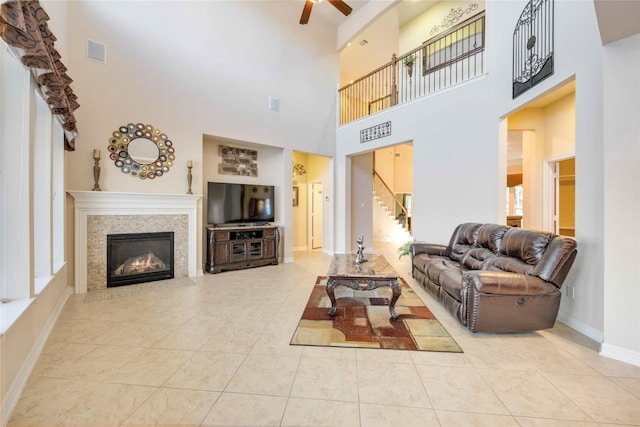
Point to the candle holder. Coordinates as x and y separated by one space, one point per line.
96 174
189 179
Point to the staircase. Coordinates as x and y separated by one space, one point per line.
388 227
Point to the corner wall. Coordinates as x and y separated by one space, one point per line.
621 61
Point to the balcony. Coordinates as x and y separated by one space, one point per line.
444 61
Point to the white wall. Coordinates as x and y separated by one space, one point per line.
361 199
622 199
445 157
459 166
201 68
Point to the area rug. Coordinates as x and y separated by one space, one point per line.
362 320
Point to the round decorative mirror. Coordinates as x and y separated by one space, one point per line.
141 151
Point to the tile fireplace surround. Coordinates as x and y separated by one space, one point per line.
99 213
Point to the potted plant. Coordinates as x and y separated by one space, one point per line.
405 249
408 62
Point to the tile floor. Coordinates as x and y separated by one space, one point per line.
217 353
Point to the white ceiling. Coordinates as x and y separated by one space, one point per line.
617 19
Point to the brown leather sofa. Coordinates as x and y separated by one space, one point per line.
495 278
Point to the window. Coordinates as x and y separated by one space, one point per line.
515 205
31 186
41 191
15 277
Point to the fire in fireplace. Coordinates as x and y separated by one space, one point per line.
139 257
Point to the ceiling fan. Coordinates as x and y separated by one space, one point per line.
338 4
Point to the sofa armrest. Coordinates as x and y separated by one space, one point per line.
506 283
429 248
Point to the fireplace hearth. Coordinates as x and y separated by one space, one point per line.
139 258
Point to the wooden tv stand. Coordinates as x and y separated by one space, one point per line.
234 248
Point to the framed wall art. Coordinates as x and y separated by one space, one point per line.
237 161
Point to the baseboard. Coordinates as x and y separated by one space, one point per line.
300 248
581 327
622 354
10 400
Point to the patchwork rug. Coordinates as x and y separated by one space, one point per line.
362 320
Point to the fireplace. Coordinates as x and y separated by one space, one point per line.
139 257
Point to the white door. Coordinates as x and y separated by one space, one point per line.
316 215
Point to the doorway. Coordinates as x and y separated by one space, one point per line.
562 192
542 187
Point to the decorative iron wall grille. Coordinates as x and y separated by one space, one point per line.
533 46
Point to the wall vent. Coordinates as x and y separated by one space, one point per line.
96 51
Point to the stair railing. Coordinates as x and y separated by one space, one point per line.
388 198
447 59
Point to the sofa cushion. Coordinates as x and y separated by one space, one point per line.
490 236
436 266
509 264
451 282
477 258
420 260
488 242
527 246
463 239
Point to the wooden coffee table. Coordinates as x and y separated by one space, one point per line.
376 272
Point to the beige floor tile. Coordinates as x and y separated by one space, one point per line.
206 371
171 406
276 338
472 394
632 385
231 340
85 331
334 353
379 415
246 410
392 383
98 365
185 338
546 422
439 358
601 398
261 374
46 398
465 419
156 365
151 367
140 335
529 394
326 379
385 355
319 413
66 402
105 404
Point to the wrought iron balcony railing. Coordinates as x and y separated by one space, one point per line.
450 58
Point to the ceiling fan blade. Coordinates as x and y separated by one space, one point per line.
306 11
341 6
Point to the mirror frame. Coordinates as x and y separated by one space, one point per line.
119 151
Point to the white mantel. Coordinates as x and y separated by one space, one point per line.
88 203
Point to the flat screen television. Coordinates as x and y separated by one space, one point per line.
229 203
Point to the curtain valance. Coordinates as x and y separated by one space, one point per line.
23 26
